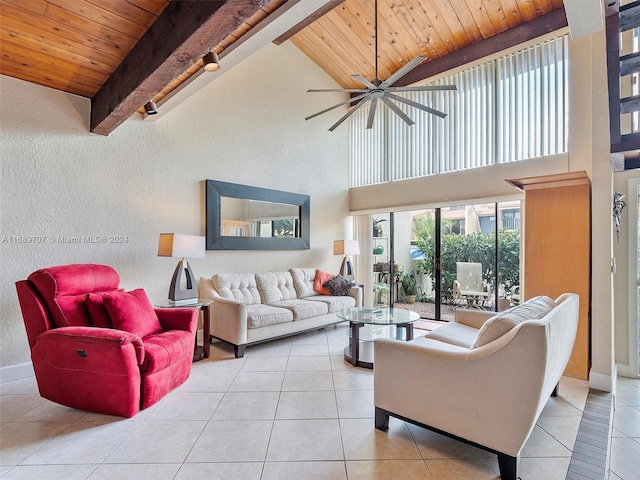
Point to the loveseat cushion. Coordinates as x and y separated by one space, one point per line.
239 287
259 315
335 304
303 279
165 348
275 286
498 325
454 334
303 308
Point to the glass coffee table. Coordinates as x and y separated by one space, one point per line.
380 322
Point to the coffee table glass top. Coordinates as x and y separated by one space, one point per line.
378 316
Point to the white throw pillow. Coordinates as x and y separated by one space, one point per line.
499 324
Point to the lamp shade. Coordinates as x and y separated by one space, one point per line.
346 247
181 246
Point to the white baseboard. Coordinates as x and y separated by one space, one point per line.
623 369
16 372
605 383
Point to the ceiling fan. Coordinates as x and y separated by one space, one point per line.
378 90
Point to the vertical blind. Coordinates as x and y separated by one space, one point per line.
508 109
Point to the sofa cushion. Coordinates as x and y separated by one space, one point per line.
165 348
303 279
454 334
303 308
259 315
319 281
498 325
239 287
132 312
275 286
335 304
338 285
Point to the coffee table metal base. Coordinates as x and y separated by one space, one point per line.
354 354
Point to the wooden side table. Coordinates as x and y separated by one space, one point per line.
199 351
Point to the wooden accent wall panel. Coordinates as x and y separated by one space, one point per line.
557 249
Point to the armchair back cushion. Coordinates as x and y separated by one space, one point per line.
275 287
64 289
239 287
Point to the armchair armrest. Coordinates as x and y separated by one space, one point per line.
85 337
472 318
178 318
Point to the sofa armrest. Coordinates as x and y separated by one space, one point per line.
83 339
178 318
229 320
356 292
472 318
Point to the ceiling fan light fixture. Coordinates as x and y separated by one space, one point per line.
383 91
150 108
211 62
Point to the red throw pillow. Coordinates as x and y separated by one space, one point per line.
132 312
97 310
319 280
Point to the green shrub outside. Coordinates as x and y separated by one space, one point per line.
474 247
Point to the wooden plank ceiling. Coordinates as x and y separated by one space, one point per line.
79 46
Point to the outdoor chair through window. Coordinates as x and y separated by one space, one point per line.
469 287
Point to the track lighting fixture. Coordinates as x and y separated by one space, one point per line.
211 62
150 108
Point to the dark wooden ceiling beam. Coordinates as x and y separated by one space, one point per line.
524 32
307 21
181 35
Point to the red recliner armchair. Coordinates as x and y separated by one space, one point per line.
98 348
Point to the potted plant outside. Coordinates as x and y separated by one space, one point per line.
409 287
377 228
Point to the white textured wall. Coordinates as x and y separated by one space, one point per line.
247 127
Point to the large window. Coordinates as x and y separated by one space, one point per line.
508 109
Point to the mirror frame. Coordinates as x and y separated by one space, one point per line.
215 241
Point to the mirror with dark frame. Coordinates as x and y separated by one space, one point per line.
242 217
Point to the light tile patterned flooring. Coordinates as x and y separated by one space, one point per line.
292 409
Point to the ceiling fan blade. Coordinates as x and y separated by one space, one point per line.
404 70
397 111
423 88
363 81
336 106
417 105
348 90
372 112
349 113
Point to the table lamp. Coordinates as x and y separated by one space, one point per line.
346 248
182 246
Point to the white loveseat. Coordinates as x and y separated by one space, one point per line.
483 379
250 308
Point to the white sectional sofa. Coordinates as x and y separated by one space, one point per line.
250 308
483 379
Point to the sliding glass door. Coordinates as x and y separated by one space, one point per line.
465 256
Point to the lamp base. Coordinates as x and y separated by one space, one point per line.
182 296
346 269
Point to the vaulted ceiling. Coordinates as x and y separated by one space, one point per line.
121 53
